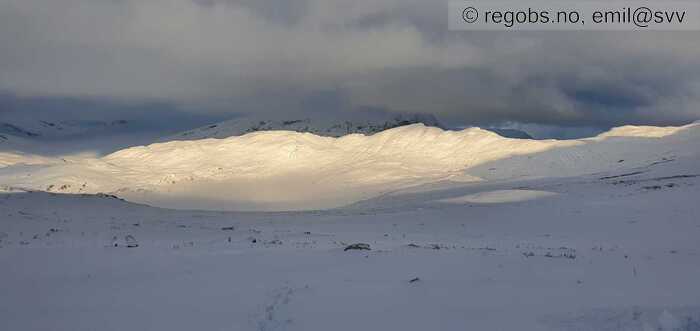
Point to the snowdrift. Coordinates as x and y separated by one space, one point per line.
283 170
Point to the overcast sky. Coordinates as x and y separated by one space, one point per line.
216 58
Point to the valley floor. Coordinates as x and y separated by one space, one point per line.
612 251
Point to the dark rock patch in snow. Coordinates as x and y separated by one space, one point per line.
358 247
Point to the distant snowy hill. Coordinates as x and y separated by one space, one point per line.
17 150
318 125
511 133
70 137
58 129
501 131
17 147
285 170
6 138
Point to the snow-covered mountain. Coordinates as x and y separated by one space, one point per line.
59 129
18 150
290 170
503 132
503 234
325 126
70 137
6 138
511 133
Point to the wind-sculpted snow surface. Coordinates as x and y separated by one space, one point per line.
282 170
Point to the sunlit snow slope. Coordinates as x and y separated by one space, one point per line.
282 170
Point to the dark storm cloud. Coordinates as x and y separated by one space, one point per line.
276 57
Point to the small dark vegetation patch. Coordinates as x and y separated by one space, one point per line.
358 247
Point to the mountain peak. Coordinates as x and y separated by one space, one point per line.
320 125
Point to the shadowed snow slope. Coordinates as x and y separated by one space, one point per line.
282 170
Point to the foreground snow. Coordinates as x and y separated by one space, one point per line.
597 252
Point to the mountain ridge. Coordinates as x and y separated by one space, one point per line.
285 170
320 125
